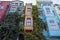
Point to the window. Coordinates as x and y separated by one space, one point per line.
54 28
28 21
51 21
20 4
19 10
13 7
53 25
48 10
41 14
16 3
41 4
1 6
29 9
47 4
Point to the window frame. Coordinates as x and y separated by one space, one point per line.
48 10
28 22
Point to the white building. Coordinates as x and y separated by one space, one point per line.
16 6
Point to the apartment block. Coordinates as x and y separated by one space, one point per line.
48 16
4 5
16 6
28 25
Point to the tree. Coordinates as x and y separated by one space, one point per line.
9 28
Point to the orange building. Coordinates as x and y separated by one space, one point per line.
28 25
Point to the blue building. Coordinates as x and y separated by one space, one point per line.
48 16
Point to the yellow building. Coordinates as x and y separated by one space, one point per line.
57 8
28 25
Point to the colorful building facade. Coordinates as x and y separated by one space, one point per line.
16 6
57 8
4 5
48 16
28 25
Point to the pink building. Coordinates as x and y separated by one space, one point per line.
4 5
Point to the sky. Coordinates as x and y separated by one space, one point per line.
34 1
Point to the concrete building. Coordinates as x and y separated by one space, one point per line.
16 6
28 25
48 16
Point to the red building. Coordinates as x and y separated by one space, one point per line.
4 5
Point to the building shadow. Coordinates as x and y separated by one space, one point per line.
21 37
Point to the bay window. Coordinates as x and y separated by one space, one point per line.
29 9
28 23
